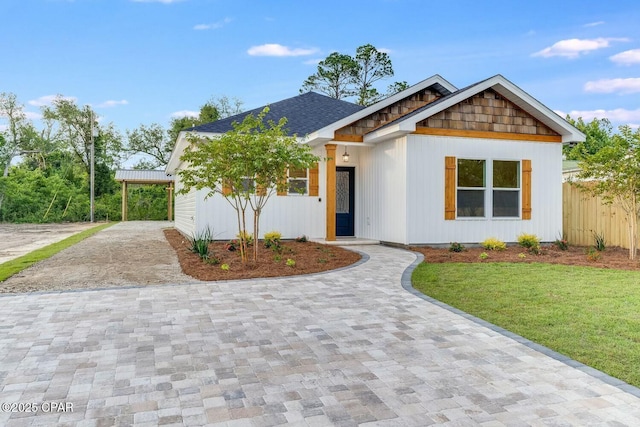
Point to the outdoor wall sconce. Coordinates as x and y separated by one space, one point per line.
345 156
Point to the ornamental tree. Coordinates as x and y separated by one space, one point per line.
247 166
613 173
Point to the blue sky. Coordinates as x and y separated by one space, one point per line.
144 61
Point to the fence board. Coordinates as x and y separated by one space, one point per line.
583 214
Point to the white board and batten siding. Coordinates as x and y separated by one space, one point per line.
292 215
425 189
185 209
381 198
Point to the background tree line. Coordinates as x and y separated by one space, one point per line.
45 172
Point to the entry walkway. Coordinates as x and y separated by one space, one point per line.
349 347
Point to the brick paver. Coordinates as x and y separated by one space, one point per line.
345 348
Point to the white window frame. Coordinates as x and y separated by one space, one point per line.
484 189
489 189
518 189
291 179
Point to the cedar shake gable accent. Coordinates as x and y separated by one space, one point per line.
494 108
355 131
487 111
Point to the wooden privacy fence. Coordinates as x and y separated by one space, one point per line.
584 214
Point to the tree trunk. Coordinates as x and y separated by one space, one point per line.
633 228
243 237
256 224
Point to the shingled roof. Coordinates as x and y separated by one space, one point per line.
305 114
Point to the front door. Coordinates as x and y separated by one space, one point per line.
345 179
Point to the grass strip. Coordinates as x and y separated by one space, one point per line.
16 265
589 314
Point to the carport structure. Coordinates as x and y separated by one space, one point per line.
149 177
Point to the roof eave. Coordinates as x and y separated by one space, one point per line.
178 150
390 132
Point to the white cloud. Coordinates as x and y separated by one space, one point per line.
214 26
3 128
185 113
48 99
111 103
315 61
32 116
619 115
627 57
272 49
594 24
623 86
385 50
572 48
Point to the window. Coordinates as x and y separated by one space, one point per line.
475 188
248 185
506 188
471 188
297 181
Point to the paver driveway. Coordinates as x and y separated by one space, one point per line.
342 348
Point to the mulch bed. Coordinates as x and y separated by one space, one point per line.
613 257
309 257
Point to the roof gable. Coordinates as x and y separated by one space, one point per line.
305 113
545 120
487 111
436 83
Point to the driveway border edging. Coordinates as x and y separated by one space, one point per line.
604 377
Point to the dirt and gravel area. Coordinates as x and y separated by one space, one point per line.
19 239
126 254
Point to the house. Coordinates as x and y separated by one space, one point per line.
432 164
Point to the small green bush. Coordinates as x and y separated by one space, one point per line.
593 254
528 240
494 244
600 242
291 263
272 239
246 236
483 255
302 239
456 247
562 244
200 243
224 267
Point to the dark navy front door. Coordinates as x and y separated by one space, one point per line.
345 178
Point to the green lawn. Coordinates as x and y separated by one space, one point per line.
15 266
591 315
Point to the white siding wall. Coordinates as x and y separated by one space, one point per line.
291 215
185 209
381 204
425 219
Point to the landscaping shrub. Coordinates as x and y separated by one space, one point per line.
456 247
600 242
593 254
494 244
246 236
302 239
200 243
272 240
528 240
483 255
562 244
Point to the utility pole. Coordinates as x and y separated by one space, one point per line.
93 172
